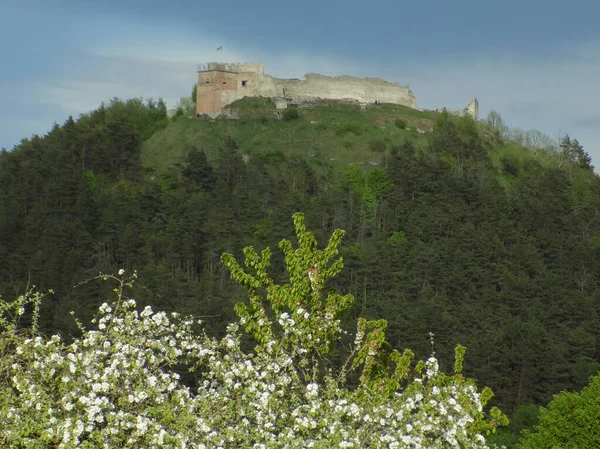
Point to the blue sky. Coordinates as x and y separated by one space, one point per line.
535 62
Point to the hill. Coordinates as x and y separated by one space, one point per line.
456 231
327 132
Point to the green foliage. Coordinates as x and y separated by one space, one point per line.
198 170
479 240
252 104
496 123
317 130
573 152
398 238
290 114
400 123
116 385
571 420
91 180
301 302
352 128
194 96
595 242
308 270
449 162
379 145
510 165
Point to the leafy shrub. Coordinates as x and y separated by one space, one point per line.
400 123
194 96
115 385
378 145
510 165
595 242
353 128
398 238
271 157
290 114
571 420
449 162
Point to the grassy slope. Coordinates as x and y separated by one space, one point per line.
326 134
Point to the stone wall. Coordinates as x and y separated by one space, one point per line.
214 90
472 110
360 90
222 84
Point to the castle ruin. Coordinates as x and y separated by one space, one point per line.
220 84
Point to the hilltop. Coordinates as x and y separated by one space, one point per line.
327 132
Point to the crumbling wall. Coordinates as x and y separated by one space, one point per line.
220 84
361 90
252 67
472 110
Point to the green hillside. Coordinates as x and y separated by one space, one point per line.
328 135
327 132
457 231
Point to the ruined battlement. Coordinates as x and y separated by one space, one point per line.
231 67
220 84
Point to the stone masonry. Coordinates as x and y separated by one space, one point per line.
220 84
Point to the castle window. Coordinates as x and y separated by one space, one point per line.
207 82
224 82
244 82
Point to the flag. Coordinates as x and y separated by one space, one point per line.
220 48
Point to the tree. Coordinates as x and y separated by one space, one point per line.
495 121
198 170
117 384
571 420
572 151
537 139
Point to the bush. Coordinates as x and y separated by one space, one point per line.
115 386
398 238
379 145
290 114
400 123
572 420
194 90
510 165
353 128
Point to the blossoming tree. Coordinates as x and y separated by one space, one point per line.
116 386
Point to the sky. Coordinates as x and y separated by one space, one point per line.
535 62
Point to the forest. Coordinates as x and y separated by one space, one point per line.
457 233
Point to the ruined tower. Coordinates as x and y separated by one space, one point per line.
220 84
